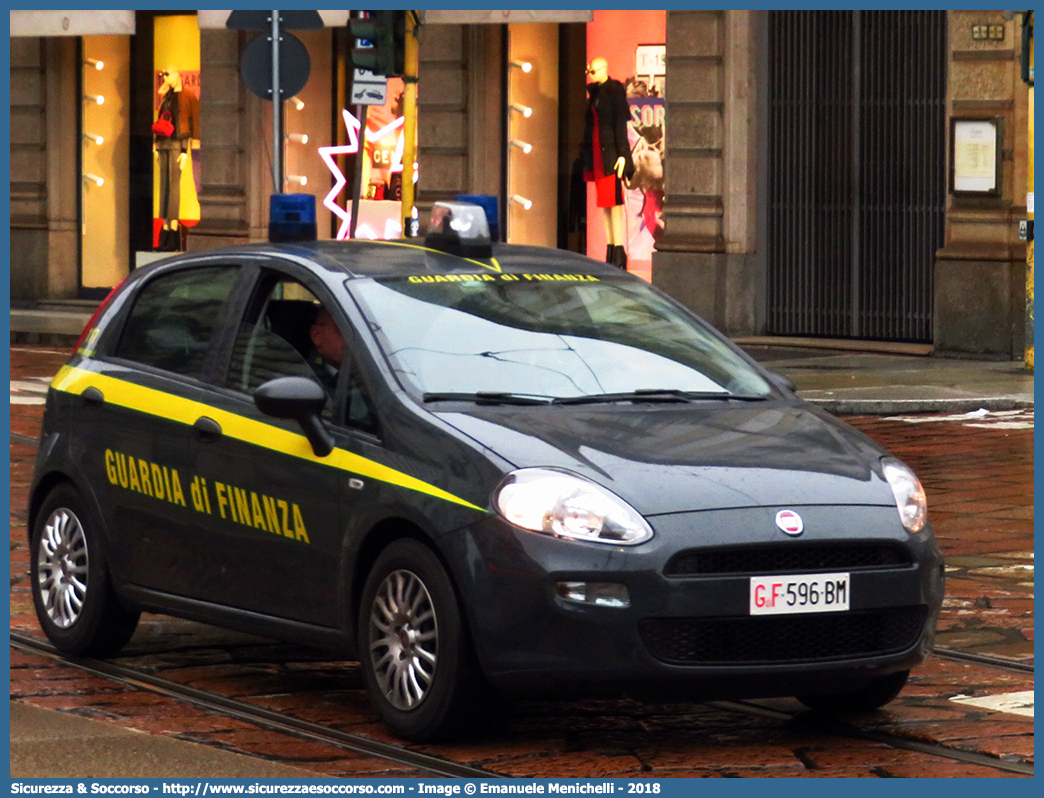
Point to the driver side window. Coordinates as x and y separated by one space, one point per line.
287 331
273 341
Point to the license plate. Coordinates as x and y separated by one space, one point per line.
798 593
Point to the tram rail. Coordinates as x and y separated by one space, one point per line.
258 716
437 766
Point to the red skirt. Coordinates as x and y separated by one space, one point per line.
608 189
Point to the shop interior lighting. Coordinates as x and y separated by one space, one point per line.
300 179
525 110
94 98
94 62
300 138
98 181
298 104
522 145
525 66
525 203
92 137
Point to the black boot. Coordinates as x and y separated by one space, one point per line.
610 251
620 257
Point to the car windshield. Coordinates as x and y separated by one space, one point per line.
510 336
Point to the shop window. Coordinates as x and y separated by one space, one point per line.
630 45
176 129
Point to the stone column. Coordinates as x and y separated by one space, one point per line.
980 273
234 191
704 258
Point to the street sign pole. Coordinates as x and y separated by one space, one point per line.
277 112
361 112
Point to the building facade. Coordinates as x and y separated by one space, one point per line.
841 175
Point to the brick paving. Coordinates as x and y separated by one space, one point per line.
979 484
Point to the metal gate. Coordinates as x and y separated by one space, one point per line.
856 172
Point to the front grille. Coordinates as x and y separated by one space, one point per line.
787 558
785 638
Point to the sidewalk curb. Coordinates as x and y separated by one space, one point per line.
894 407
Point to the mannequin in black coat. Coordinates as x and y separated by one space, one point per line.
606 154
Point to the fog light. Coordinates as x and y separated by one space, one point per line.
600 594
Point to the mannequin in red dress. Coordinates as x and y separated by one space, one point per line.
606 154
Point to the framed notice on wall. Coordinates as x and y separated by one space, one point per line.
975 153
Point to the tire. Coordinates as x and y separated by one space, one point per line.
72 592
414 651
873 695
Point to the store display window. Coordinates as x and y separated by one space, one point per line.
175 130
383 145
623 145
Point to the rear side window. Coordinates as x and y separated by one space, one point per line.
174 319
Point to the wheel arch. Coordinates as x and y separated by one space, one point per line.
377 539
47 483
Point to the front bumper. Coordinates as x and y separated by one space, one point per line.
692 629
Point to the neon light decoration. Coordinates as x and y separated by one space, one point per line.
392 227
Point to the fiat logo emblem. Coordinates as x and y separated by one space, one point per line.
790 522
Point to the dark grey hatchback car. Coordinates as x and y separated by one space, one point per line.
516 469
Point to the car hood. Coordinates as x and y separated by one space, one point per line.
671 458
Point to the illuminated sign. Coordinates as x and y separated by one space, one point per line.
377 219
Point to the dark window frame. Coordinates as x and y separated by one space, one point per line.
109 347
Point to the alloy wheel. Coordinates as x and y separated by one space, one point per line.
62 568
404 636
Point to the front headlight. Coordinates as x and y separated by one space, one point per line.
567 505
909 495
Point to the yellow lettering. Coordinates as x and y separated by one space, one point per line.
121 468
206 496
242 506
219 488
196 491
166 481
176 494
271 513
132 468
255 506
284 508
157 482
146 484
413 279
299 527
110 467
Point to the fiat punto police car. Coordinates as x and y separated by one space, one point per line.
515 470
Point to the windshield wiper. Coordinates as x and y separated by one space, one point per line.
486 398
652 395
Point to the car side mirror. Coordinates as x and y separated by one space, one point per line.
782 381
301 399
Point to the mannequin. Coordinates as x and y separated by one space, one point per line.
172 151
606 154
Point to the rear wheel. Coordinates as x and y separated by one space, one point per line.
415 656
74 599
874 694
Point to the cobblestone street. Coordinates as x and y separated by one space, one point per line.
978 478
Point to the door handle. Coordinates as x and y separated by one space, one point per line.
92 397
207 429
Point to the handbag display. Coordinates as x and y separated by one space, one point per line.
164 126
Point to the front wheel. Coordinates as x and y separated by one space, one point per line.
74 599
873 695
416 659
